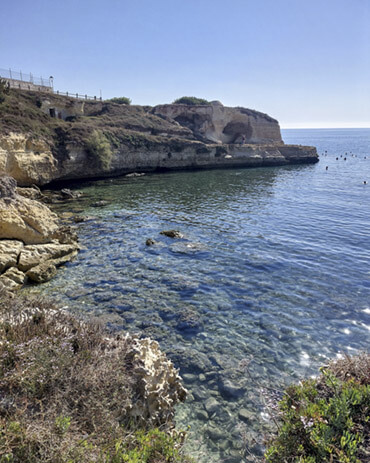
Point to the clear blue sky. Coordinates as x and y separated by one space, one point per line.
304 62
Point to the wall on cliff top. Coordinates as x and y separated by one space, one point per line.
220 124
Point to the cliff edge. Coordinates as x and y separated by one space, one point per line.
46 138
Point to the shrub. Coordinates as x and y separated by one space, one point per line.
120 100
4 90
65 389
326 419
100 148
191 101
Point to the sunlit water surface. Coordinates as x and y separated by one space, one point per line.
270 280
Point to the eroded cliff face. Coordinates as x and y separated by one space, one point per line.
27 160
220 124
103 139
33 163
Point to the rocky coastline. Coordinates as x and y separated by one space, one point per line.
33 242
103 139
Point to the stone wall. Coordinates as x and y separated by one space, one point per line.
22 85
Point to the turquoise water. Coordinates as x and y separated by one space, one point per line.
271 279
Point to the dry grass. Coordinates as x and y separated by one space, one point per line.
65 389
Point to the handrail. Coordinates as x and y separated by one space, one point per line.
20 76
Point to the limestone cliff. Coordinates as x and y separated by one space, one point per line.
219 124
102 139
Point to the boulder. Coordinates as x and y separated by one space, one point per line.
42 272
12 279
9 252
33 255
31 239
22 218
158 383
172 233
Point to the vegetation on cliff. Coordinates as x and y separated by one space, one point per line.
67 390
191 101
120 100
327 418
4 90
27 113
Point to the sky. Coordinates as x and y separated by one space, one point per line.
304 62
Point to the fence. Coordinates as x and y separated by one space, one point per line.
9 74
78 96
23 81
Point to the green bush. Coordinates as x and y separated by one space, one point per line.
326 419
99 147
191 101
120 100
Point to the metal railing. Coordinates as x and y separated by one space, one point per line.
78 96
9 74
22 81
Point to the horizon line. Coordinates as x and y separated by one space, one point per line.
324 127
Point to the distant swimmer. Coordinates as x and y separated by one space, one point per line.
327 167
365 182
336 159
345 159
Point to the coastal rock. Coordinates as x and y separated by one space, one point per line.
28 160
158 383
217 123
22 218
31 193
166 137
189 321
211 405
172 233
9 252
12 279
42 272
246 415
230 390
31 239
33 255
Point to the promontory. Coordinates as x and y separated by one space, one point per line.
48 137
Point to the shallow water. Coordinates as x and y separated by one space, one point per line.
270 280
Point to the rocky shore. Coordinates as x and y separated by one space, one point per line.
106 139
33 243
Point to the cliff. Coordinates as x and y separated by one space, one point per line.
217 123
45 138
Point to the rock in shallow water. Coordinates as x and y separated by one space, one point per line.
172 233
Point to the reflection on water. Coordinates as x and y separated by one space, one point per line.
270 280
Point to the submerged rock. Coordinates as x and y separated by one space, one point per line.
135 174
172 233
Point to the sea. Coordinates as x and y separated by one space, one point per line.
270 280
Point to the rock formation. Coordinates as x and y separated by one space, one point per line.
32 242
219 124
112 139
